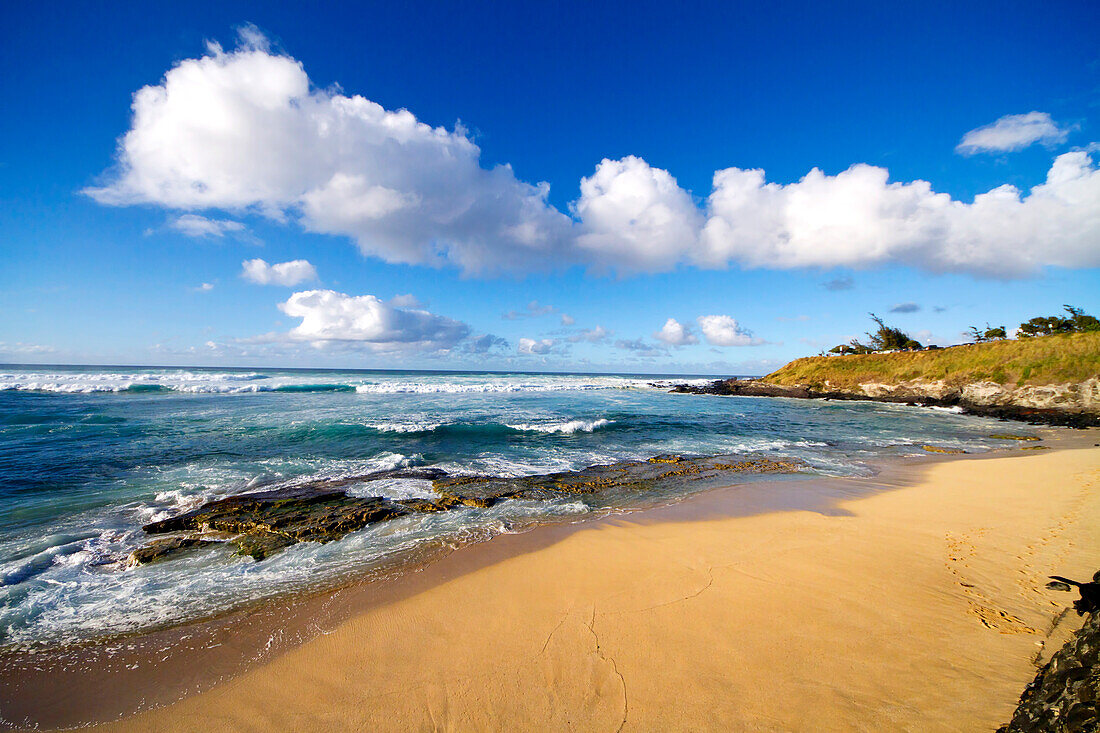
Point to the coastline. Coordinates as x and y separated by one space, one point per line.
924 395
477 606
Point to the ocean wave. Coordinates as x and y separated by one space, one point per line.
256 382
570 427
491 387
405 427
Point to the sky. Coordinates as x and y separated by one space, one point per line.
660 188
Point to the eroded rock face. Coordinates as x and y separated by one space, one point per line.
264 522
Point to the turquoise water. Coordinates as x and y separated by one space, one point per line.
88 455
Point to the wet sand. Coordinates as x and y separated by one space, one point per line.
920 608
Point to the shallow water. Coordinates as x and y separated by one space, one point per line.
88 455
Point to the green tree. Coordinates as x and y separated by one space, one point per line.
888 338
1077 322
1081 320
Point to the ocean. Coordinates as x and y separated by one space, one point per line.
90 454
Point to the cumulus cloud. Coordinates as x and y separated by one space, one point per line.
1012 132
905 308
675 333
726 331
858 218
281 273
197 226
204 288
330 318
245 131
635 218
535 346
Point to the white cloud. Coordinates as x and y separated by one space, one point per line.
194 225
567 320
24 349
726 331
205 288
675 333
1012 132
535 346
281 273
635 218
860 219
332 318
245 131
406 301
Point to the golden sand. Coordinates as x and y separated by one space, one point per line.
921 608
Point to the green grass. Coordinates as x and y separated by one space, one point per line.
1044 360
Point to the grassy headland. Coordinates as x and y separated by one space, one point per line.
1055 359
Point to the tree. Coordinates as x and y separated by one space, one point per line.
888 338
977 335
1078 322
1081 320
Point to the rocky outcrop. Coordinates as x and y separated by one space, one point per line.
1064 697
1072 405
264 522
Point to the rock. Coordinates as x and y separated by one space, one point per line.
939 449
1006 436
1068 405
264 522
164 549
1063 697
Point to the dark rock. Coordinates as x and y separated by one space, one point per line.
1065 694
163 549
265 522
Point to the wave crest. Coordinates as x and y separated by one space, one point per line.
570 427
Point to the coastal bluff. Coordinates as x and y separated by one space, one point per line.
1052 380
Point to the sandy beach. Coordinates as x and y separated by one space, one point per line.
922 607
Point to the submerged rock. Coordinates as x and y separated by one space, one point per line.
164 549
264 522
940 449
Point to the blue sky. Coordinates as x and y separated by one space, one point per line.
276 136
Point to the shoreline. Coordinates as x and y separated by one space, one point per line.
1038 416
95 697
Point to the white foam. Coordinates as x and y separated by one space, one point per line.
405 427
570 427
177 380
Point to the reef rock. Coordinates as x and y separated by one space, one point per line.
263 522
